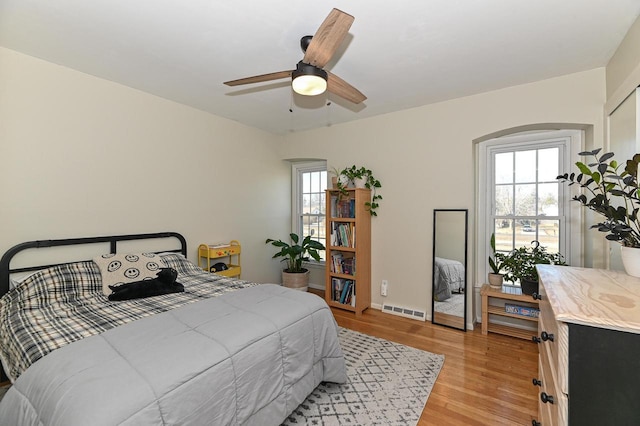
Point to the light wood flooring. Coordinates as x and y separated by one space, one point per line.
485 380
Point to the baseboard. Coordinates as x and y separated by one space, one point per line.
316 286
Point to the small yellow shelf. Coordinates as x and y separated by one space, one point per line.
208 253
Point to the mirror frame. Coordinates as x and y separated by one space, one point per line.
466 262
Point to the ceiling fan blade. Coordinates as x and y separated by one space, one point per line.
328 38
339 87
259 78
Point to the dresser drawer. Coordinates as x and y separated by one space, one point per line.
554 344
551 413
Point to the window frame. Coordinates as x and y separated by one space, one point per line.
570 216
297 170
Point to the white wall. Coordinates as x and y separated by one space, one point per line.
72 142
82 156
623 69
424 159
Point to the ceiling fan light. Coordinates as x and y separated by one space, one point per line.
309 80
309 85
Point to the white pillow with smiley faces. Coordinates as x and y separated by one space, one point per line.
117 269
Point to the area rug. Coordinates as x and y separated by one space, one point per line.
452 306
389 384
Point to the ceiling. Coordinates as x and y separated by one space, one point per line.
400 54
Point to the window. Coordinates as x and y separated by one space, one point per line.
308 203
524 201
525 197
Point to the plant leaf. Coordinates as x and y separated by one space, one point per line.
606 156
583 168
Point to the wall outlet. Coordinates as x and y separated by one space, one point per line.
384 287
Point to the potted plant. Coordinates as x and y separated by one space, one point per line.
361 177
295 276
496 263
340 180
520 265
611 190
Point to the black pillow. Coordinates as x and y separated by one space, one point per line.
164 283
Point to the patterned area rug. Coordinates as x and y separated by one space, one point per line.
388 384
452 306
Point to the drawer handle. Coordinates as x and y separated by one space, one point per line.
537 382
535 423
536 296
546 398
536 339
545 336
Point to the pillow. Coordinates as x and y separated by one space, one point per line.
117 269
17 279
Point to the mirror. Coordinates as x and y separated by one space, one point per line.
449 284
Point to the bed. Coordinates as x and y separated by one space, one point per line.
224 351
448 278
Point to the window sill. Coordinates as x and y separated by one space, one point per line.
314 265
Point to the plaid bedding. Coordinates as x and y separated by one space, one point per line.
65 303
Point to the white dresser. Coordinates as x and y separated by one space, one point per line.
589 337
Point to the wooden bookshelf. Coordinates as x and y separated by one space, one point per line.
507 294
348 244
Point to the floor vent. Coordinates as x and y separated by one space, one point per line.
404 312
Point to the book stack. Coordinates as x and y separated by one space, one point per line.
343 207
525 311
343 234
342 265
343 291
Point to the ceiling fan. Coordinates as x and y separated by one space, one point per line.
309 78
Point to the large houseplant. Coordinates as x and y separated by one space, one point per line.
610 188
520 265
361 177
295 253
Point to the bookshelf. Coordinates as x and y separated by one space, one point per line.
348 244
507 294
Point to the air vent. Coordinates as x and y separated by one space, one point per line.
404 312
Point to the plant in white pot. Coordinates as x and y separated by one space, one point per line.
611 190
340 180
295 276
496 263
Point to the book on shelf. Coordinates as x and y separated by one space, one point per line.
342 235
336 288
341 264
525 311
349 266
343 291
345 208
336 262
353 236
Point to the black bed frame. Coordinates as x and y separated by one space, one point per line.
5 261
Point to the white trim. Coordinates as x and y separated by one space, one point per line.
297 168
571 211
628 86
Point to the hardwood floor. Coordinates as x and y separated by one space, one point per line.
485 380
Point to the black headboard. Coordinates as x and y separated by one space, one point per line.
5 269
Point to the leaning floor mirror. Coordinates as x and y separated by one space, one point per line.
449 284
